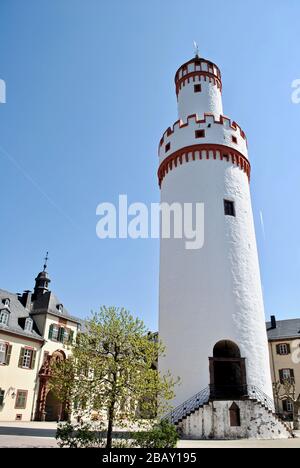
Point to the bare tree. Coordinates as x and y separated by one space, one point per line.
286 390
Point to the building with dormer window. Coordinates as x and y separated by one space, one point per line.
34 329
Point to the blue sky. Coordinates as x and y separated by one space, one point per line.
89 93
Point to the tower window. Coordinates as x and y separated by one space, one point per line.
234 139
200 134
229 208
235 415
197 88
168 147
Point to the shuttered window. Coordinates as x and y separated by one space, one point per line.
287 406
60 334
53 332
2 353
287 375
283 349
5 353
27 358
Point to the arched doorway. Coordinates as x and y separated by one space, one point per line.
53 408
227 371
49 408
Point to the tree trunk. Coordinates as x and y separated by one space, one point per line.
296 416
111 413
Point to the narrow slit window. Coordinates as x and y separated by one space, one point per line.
200 133
229 208
168 147
197 88
234 139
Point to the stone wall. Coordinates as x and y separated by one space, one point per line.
213 422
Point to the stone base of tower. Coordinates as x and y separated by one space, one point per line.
230 420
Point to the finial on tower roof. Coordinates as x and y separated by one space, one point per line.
46 261
196 49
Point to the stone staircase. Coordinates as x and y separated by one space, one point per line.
204 417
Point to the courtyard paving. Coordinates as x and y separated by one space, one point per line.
42 435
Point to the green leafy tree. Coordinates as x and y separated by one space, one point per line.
112 372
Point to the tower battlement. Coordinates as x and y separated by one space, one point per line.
198 88
198 69
197 131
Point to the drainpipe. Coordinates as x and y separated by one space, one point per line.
274 374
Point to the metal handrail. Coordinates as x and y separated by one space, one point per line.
192 404
255 393
186 408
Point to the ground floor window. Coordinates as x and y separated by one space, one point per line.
21 399
288 406
2 393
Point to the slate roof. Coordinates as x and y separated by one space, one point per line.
45 304
284 329
48 303
17 312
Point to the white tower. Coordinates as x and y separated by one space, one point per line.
211 316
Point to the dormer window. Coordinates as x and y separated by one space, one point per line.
6 303
28 324
4 317
60 308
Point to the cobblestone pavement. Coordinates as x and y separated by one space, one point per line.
42 435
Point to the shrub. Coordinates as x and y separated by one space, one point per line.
81 435
163 435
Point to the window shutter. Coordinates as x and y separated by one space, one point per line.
292 375
288 348
281 376
278 349
8 354
33 359
71 336
50 332
61 335
22 352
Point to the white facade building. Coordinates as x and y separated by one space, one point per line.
211 313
